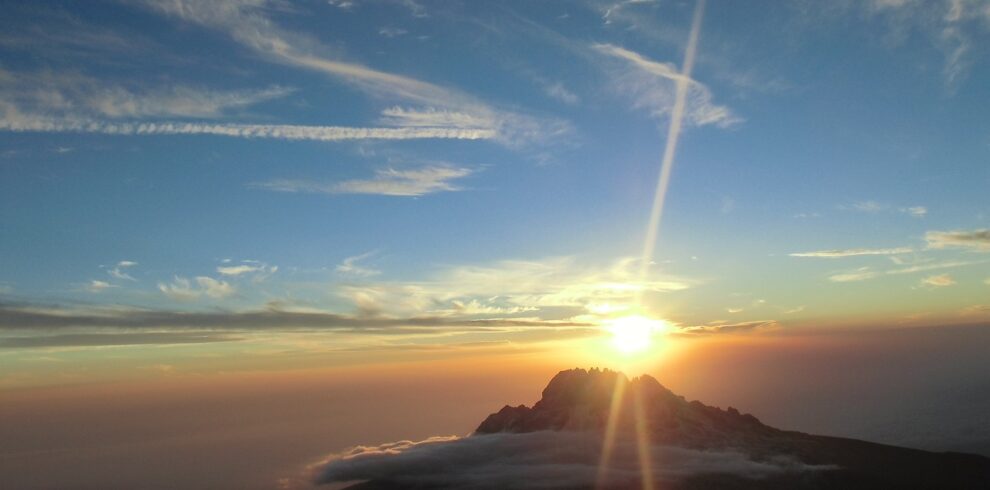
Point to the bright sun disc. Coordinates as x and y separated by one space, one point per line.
632 334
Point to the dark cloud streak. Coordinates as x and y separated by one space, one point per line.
23 317
111 339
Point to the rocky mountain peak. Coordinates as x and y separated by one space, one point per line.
579 399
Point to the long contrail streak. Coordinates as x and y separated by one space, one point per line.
673 134
270 131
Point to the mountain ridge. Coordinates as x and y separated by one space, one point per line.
694 447
579 399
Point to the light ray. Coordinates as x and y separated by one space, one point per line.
610 429
673 135
642 438
652 231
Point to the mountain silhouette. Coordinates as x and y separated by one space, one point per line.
580 402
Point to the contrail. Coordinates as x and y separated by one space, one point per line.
271 131
673 134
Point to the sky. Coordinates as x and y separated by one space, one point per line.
194 189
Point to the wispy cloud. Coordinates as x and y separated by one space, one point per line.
77 103
96 286
350 266
975 310
557 90
392 32
852 252
386 182
436 118
861 274
119 271
342 4
868 206
729 328
75 96
237 270
978 240
258 271
876 207
942 280
950 25
652 84
182 289
864 273
935 266
246 22
612 9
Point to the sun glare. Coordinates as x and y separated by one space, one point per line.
633 334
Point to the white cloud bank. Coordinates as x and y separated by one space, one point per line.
537 460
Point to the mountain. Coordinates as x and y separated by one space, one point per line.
558 444
580 400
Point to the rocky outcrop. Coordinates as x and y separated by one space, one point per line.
577 399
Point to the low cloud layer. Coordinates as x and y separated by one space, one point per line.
534 460
971 239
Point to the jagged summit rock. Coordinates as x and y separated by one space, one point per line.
579 399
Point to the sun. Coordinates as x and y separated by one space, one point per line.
633 334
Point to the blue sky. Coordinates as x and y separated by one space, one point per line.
453 160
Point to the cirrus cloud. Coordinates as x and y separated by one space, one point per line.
386 182
652 86
183 289
852 252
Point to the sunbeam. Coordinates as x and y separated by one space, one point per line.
652 231
610 429
673 135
